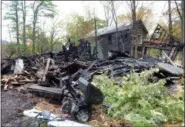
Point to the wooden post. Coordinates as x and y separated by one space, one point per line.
132 44
135 50
131 53
169 58
143 51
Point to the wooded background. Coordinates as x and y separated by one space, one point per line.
29 37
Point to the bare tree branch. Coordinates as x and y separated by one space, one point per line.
116 23
178 10
128 3
107 12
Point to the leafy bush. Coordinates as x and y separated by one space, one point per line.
137 99
154 52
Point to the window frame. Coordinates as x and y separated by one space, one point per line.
139 40
110 40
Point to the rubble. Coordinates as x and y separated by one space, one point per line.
66 76
51 119
171 69
69 82
19 66
9 81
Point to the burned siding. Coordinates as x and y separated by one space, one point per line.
108 43
139 31
126 37
104 46
125 41
101 52
114 45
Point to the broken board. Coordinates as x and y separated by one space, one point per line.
170 68
49 92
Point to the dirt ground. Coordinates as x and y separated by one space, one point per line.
12 106
14 103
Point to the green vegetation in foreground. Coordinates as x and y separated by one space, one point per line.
142 102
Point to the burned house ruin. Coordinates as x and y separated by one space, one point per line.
126 37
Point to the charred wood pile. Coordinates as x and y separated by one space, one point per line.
163 41
69 81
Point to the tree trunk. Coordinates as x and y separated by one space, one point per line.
96 43
183 30
106 19
17 28
134 45
106 12
10 33
170 18
116 23
182 20
35 14
178 10
33 33
51 42
24 26
106 15
133 12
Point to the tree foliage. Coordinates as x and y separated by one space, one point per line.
17 14
44 8
13 15
176 20
78 26
143 12
55 33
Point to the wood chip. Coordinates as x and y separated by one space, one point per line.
6 87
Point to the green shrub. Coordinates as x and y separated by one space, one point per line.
140 101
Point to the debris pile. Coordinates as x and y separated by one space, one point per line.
69 82
10 81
